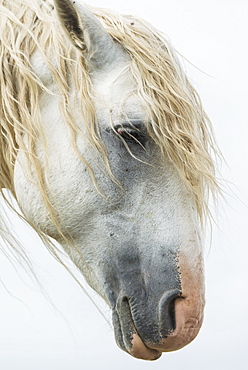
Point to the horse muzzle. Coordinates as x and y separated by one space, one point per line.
145 330
157 299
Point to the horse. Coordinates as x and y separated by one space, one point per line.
106 149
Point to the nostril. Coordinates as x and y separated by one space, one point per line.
171 311
167 318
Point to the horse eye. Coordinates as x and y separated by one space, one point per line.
130 134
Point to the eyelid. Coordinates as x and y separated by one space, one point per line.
127 129
132 125
131 132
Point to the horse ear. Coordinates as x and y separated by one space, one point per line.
86 33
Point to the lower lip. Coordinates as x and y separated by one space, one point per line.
141 351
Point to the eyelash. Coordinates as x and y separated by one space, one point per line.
130 134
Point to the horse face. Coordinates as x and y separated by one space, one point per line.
136 234
151 271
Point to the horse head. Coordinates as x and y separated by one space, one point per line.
128 212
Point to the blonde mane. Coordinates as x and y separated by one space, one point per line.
177 121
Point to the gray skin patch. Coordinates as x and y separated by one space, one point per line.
142 281
142 294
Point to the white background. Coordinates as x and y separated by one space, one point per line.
67 332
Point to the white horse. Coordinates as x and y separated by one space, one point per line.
106 148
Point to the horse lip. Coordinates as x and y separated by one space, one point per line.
127 325
128 339
149 345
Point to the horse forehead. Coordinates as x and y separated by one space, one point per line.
116 92
117 81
